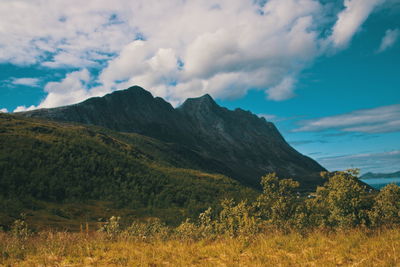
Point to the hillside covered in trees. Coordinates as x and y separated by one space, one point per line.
66 163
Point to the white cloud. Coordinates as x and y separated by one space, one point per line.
224 51
350 20
389 39
23 108
3 110
376 120
60 33
26 81
176 49
75 83
368 162
221 47
283 90
72 89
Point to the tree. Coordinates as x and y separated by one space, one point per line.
278 202
386 208
342 200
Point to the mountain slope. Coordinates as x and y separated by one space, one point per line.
62 162
238 143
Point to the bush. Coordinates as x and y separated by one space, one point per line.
151 229
278 203
188 231
236 220
112 227
341 202
19 229
386 208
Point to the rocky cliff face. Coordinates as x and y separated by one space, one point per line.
240 144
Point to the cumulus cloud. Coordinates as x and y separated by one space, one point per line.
33 82
350 19
76 85
59 33
376 120
283 90
367 162
389 39
71 89
3 110
221 47
223 51
24 108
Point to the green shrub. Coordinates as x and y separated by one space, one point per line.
236 220
112 227
342 201
278 203
188 231
151 229
19 229
386 208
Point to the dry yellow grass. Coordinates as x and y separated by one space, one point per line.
343 248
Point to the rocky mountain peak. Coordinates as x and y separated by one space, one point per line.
205 102
242 145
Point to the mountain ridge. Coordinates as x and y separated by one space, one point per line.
370 175
244 146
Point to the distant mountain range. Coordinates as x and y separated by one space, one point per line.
235 143
370 175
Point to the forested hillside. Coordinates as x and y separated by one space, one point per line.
66 163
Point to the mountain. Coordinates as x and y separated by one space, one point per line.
370 175
58 163
234 143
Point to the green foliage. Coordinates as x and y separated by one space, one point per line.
187 231
55 162
19 229
342 201
237 219
278 202
150 229
112 227
58 162
232 220
386 209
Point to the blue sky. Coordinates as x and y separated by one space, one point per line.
327 73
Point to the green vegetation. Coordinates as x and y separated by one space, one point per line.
67 176
340 226
42 161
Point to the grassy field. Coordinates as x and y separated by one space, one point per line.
342 248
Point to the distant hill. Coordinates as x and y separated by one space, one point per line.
234 143
69 163
370 175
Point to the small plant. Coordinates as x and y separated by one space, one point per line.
112 227
153 228
19 228
187 231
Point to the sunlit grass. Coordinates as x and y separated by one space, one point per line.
356 247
